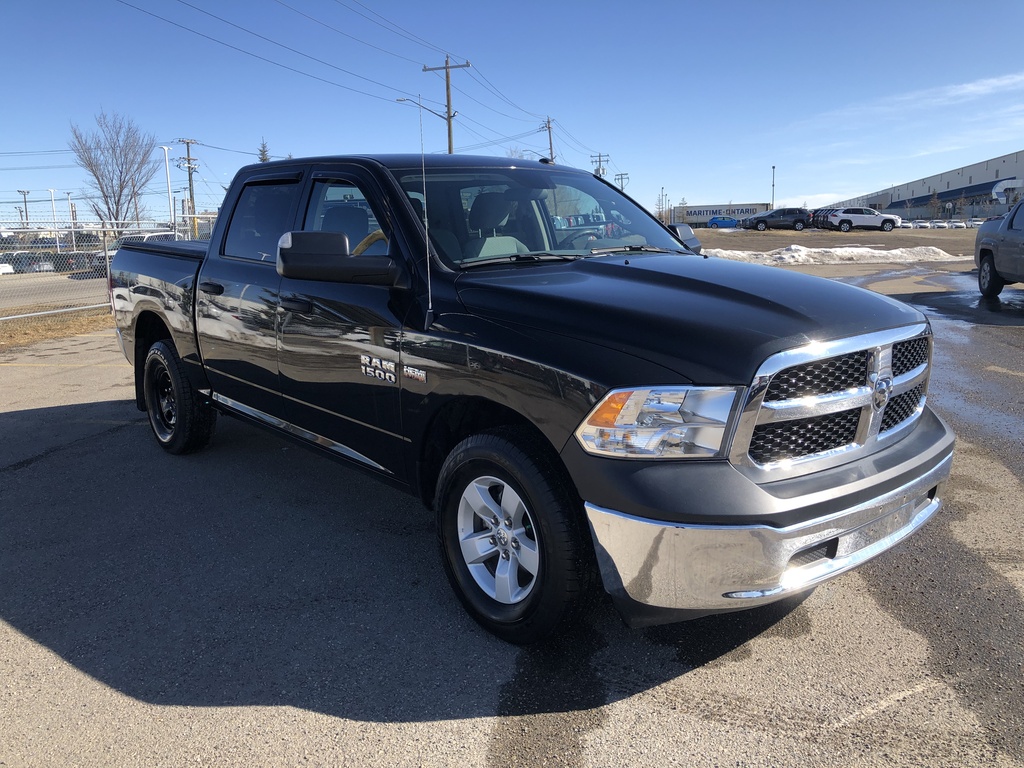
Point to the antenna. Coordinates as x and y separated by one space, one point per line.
429 319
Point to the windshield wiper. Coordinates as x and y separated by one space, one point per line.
636 249
519 258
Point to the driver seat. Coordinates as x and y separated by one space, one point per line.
491 211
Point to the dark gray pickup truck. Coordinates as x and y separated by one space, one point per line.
578 397
999 252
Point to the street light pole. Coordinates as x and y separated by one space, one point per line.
71 219
419 104
773 187
170 199
53 210
24 196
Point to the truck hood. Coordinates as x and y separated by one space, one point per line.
712 321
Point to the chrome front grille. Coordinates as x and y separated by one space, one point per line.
820 377
824 404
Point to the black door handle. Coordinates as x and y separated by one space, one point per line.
303 306
214 289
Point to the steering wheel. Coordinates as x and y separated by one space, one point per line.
570 242
374 237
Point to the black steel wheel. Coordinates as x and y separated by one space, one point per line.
181 422
510 536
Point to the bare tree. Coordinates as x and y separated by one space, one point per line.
119 158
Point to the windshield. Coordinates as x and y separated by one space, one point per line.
482 215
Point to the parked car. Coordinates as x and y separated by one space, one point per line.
6 269
906 224
723 221
20 260
939 224
975 223
921 224
845 219
780 218
42 265
999 252
957 224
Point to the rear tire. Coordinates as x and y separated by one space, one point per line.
510 536
181 422
990 283
799 226
714 226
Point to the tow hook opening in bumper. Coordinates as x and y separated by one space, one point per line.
825 559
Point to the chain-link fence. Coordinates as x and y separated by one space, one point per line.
58 268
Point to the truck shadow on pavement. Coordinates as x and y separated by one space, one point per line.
256 573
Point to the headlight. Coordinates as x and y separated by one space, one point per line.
660 423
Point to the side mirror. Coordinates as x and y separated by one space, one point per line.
325 257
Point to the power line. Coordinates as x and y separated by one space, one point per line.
390 26
346 34
256 56
488 85
292 50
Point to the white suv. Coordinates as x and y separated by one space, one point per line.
845 219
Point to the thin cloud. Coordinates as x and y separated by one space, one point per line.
907 105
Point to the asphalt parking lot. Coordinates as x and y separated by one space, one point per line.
255 604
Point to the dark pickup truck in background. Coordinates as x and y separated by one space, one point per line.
576 395
999 251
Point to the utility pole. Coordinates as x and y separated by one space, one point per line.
622 179
24 196
448 67
190 166
551 143
599 160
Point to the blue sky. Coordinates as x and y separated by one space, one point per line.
696 99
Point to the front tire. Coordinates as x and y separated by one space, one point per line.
510 536
761 226
845 226
887 226
990 283
181 422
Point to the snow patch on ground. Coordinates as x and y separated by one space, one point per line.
797 254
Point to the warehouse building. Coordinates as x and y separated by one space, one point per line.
983 189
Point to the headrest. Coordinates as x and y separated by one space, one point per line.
350 219
490 210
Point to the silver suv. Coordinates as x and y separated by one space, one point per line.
845 219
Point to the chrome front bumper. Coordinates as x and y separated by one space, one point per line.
657 571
